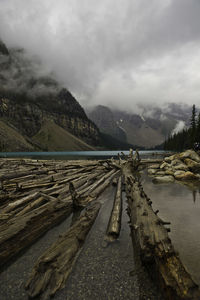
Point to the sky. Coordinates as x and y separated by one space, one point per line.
119 53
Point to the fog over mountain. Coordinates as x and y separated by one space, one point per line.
112 52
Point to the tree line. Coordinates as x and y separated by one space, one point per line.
187 138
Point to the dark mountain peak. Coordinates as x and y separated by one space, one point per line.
31 98
3 48
63 94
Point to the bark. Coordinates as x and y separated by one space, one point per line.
54 266
22 231
114 225
155 247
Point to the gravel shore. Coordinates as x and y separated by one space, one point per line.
102 271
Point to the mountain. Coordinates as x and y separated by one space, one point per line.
104 118
36 112
148 129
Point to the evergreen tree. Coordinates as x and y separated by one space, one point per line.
198 129
193 126
186 138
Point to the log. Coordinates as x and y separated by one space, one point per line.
84 197
20 174
30 216
21 231
155 247
21 202
114 224
91 188
53 268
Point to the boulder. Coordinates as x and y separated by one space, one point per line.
184 176
152 171
192 165
169 171
179 173
164 165
160 173
154 166
169 159
163 179
189 154
176 162
181 167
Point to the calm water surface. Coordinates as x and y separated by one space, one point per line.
78 154
181 206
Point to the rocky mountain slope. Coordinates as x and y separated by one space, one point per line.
36 112
148 129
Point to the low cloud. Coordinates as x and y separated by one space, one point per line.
178 128
112 52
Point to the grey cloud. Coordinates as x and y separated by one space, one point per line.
113 52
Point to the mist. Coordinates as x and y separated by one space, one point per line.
116 53
179 127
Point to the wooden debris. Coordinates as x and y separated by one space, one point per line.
155 247
42 202
54 266
114 225
37 195
21 231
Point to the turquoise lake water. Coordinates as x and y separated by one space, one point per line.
78 154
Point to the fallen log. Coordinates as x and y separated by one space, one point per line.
21 231
155 247
22 173
83 197
54 266
88 190
114 224
21 202
29 217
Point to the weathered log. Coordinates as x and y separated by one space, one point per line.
54 266
155 246
20 174
114 224
38 202
84 197
21 202
30 216
43 198
22 231
91 188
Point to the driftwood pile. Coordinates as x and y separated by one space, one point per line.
37 195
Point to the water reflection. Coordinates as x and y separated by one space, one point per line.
180 204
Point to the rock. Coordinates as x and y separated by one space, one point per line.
170 158
192 165
181 175
190 154
176 162
169 171
181 167
178 173
163 179
154 166
152 171
161 173
164 165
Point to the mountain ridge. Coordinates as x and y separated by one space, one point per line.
28 99
148 129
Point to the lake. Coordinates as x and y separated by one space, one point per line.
80 154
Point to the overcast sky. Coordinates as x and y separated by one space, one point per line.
114 52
